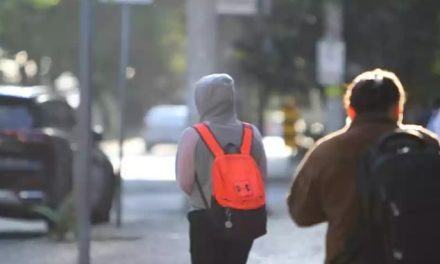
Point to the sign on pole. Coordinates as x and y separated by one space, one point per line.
331 72
330 62
237 7
128 2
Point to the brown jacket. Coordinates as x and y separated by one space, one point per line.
324 189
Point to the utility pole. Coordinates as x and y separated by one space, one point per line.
331 63
122 85
124 59
333 20
84 134
201 17
264 10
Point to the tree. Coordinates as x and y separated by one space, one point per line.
50 28
401 36
280 51
43 28
398 35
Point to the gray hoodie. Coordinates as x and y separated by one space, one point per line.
215 101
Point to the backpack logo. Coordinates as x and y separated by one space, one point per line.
243 189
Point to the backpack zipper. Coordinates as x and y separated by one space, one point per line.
228 223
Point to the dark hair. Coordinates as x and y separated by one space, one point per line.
436 102
375 91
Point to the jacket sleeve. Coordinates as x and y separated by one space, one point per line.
304 200
185 169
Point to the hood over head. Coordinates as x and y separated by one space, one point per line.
215 98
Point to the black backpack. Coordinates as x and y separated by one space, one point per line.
399 185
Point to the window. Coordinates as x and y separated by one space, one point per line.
15 117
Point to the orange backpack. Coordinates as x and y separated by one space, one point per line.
237 184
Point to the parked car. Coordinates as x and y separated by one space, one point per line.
164 124
36 155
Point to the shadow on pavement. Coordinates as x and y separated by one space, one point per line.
22 234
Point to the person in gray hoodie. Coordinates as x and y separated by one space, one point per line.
215 100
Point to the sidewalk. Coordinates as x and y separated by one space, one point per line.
155 232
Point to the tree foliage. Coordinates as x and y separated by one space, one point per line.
402 36
279 52
12 10
50 28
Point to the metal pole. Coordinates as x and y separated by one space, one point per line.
124 60
264 9
333 27
83 154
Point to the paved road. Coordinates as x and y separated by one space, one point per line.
155 231
155 227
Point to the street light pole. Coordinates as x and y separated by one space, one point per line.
83 153
124 60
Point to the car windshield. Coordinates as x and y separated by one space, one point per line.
15 117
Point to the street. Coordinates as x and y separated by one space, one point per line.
154 225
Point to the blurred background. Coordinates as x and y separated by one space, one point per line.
291 60
271 50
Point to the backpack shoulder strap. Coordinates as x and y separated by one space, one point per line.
246 145
209 139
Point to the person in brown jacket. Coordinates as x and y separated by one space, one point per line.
324 189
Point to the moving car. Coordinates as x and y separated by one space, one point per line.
163 124
36 155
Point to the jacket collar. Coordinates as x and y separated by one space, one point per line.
373 118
